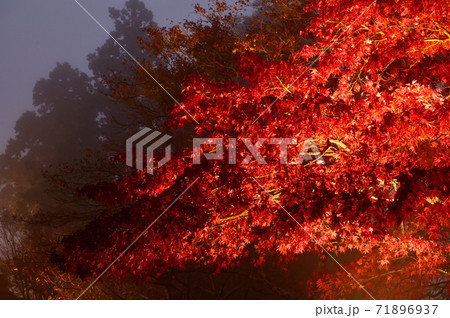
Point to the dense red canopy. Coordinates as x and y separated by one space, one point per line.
373 93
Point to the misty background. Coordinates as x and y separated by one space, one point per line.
36 35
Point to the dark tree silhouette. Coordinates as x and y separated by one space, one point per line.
65 141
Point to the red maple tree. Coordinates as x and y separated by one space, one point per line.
372 90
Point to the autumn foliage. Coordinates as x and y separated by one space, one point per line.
369 82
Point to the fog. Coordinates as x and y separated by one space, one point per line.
35 35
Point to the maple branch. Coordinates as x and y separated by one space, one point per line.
369 279
233 217
340 144
437 139
443 272
230 218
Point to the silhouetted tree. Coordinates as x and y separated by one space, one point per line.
65 141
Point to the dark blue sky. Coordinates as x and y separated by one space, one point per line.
35 35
